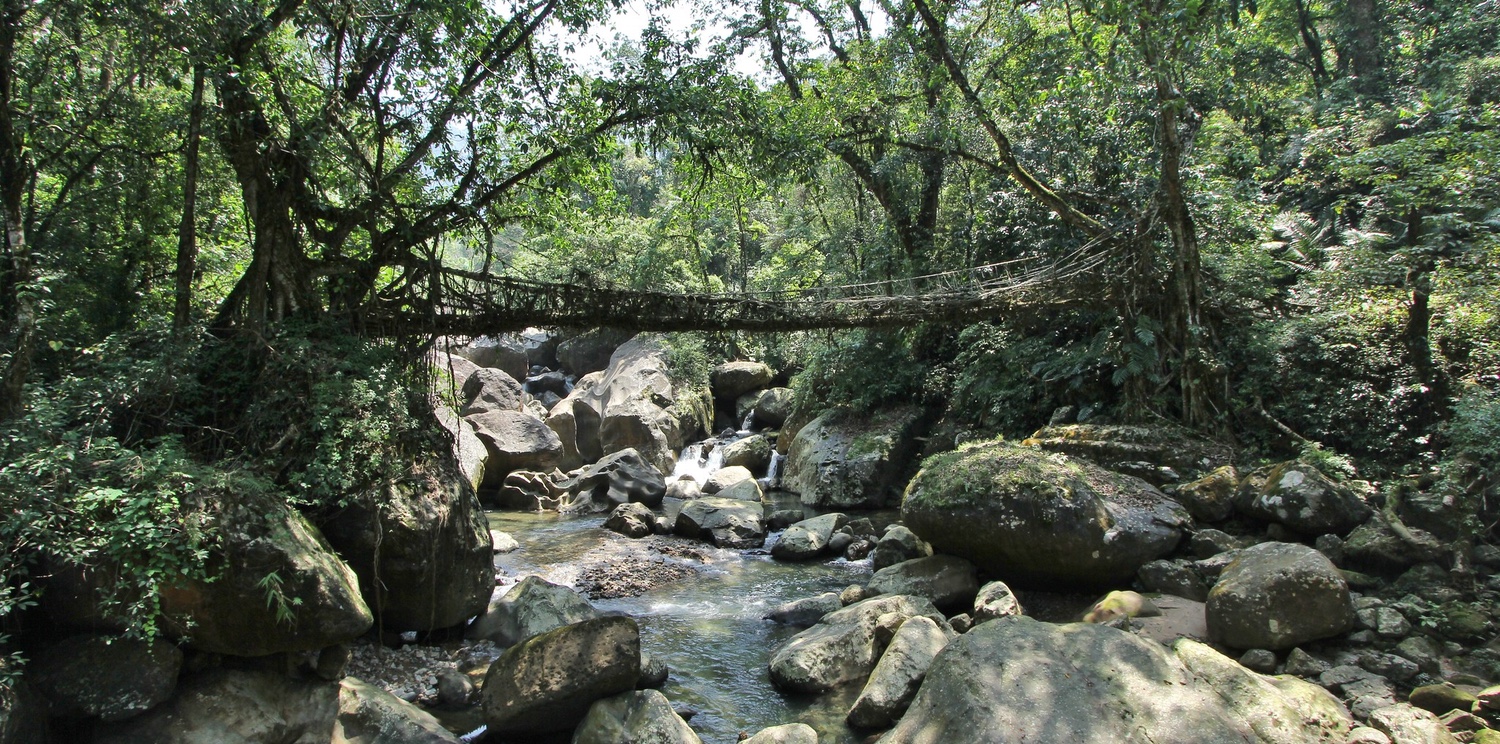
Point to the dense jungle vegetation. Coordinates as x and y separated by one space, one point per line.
203 198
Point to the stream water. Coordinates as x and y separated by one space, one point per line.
707 627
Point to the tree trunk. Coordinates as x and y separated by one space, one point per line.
1416 337
17 297
187 232
1361 51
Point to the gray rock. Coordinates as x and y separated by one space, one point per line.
532 606
1102 686
1366 735
806 611
853 593
807 539
899 673
789 733
1209 543
994 600
684 489
725 477
230 706
654 673
548 682
947 580
631 520
488 390
838 542
768 408
515 441
454 688
590 351
745 490
727 523
753 453
1276 596
109 677
23 715
730 380
1210 498
622 477
1407 724
641 403
781 519
1300 497
1390 666
1377 545
1304 664
1038 519
1175 577
896 545
528 490
547 382
368 714
1259 660
843 461
468 450
419 545
859 549
642 717
506 353
502 542
1387 622
842 647
1426 653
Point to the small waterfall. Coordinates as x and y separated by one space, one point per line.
773 472
698 461
749 420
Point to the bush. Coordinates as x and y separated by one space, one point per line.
864 370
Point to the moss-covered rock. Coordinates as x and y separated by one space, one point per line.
1037 519
845 461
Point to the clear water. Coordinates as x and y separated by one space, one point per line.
707 628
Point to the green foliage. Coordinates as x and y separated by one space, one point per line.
863 370
1472 459
687 359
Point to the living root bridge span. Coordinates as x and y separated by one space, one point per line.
472 304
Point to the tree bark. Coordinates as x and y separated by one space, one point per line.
18 308
187 232
1361 51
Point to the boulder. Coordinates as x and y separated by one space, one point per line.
684 489
631 520
548 682
994 600
765 408
845 461
1407 724
745 490
420 547
752 453
1090 684
1302 498
947 580
787 733
1210 498
589 351
529 490
644 717
370 715
896 545
547 382
488 390
1113 446
230 706
841 647
806 611
619 478
23 715
313 603
468 451
505 353
515 441
1038 519
541 347
727 523
1175 577
110 677
725 477
730 380
808 538
533 606
899 673
1276 596
1379 545
642 403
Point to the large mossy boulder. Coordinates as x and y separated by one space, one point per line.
1299 496
228 706
548 682
1017 679
843 646
1118 446
642 402
532 607
1033 518
765 408
841 460
468 451
314 602
1277 596
420 547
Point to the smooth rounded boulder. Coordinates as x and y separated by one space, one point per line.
899 673
806 611
947 580
730 380
631 520
753 453
1018 679
505 352
896 545
842 647
515 441
531 607
807 539
644 717
787 733
1036 519
548 683
727 523
994 600
767 408
1277 596
488 390
725 478
1302 498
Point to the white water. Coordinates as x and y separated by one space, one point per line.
698 461
773 471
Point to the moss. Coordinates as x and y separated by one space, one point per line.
989 467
